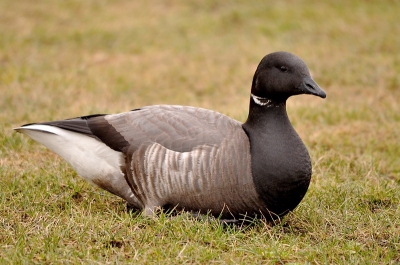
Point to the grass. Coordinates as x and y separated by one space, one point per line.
61 59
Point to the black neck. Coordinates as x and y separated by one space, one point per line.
281 166
262 117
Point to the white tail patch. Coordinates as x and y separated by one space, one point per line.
92 159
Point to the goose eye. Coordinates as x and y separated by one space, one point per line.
283 68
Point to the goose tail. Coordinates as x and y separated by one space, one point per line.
91 158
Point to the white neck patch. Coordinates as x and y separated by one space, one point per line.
261 101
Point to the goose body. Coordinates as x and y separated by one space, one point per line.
196 159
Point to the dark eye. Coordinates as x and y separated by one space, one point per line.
283 69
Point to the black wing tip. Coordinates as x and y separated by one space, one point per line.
87 117
25 125
78 124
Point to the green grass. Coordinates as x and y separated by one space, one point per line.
61 59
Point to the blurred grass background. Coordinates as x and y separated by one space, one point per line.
61 59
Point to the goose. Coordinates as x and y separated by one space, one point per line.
194 159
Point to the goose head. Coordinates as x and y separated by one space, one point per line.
281 75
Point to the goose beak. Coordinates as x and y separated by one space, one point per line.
309 86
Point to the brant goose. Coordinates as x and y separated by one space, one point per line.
197 159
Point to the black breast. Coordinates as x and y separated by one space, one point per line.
281 165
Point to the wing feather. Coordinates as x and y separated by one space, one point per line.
176 128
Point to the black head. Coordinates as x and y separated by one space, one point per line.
281 75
